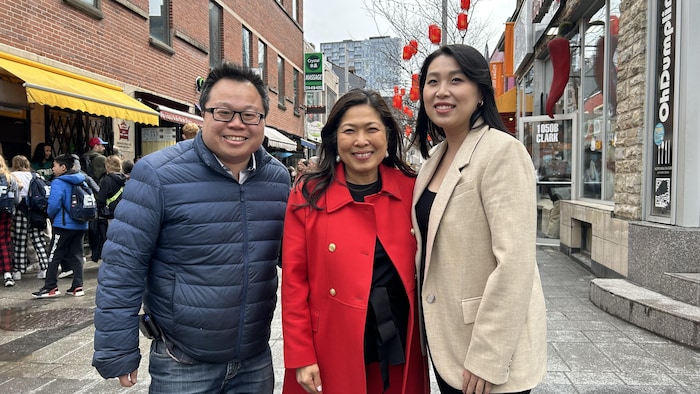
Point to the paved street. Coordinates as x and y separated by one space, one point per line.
46 345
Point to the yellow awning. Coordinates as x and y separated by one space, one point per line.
51 86
507 102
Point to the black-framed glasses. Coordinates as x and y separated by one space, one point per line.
226 115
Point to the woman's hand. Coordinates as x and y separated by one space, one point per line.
309 377
472 384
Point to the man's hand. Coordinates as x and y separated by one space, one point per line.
474 384
129 380
309 377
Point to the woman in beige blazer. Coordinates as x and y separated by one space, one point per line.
475 219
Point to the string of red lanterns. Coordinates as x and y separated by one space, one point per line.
435 37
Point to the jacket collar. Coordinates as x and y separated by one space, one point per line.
338 195
258 159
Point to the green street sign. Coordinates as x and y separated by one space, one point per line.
313 72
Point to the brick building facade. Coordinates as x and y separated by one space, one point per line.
113 43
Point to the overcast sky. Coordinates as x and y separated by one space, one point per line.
338 20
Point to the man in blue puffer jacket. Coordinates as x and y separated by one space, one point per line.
196 237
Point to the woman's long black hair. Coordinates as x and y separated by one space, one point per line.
314 184
476 68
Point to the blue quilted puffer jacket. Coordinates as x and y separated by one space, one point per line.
207 247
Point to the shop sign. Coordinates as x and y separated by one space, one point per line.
661 185
313 72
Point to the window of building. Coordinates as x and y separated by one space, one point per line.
215 51
295 86
599 115
280 81
159 20
262 60
295 13
247 43
90 7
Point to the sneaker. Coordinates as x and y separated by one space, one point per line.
76 291
16 275
46 293
66 274
41 274
9 282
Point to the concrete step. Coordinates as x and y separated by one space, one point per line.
682 286
673 319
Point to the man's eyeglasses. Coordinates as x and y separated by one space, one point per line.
226 115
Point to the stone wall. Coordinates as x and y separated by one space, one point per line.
631 91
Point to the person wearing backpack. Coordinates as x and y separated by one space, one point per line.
93 161
111 188
67 241
30 218
9 198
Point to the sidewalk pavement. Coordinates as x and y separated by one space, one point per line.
46 345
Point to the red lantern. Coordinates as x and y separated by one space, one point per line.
398 102
408 130
414 95
403 92
435 34
462 23
407 52
396 90
466 4
415 78
414 45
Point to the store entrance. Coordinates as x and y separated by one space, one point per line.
550 144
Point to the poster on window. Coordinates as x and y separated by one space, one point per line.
664 102
124 137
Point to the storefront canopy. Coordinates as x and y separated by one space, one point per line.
276 139
51 86
175 116
507 102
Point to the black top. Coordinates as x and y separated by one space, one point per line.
423 207
386 325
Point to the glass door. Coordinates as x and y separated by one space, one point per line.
550 144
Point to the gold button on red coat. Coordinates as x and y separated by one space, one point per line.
413 232
331 247
332 292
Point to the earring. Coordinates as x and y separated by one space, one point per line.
387 153
481 103
337 158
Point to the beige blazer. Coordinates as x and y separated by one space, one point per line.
482 303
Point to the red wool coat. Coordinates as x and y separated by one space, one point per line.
327 265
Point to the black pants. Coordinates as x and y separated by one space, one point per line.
97 235
66 250
447 389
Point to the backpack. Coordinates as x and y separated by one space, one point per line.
85 165
111 204
7 195
38 193
37 201
83 206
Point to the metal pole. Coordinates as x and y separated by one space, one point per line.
347 65
444 22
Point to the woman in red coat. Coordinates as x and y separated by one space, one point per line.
349 319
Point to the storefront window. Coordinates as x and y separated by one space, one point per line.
598 86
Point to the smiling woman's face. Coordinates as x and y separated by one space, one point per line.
362 143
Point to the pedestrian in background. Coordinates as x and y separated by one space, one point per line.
475 214
67 242
189 131
349 315
23 230
9 198
197 239
111 190
42 160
